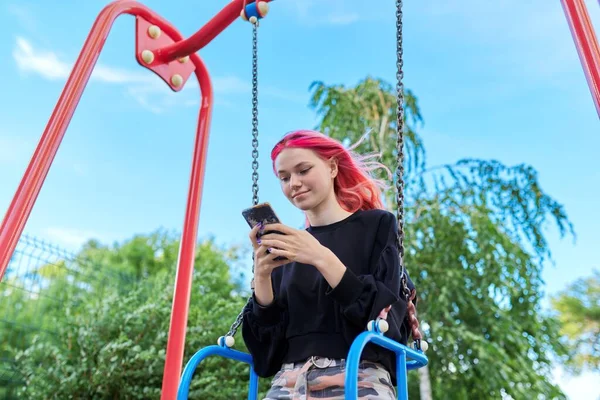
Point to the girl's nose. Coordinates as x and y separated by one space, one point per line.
295 181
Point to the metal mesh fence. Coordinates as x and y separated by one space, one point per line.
32 298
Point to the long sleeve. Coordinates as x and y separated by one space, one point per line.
363 296
310 318
263 330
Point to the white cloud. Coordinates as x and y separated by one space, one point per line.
285 95
156 96
14 148
342 19
146 96
72 239
44 63
79 169
143 86
48 65
148 90
113 75
231 85
520 38
23 15
323 12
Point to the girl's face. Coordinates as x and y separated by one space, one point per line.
306 179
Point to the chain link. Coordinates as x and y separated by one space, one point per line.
255 113
400 146
236 324
413 322
238 321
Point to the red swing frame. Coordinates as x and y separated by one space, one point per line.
170 57
586 43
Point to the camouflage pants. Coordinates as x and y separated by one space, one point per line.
323 378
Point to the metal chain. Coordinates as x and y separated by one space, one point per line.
236 324
255 113
413 322
400 147
238 321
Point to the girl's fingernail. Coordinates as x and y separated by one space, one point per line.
258 241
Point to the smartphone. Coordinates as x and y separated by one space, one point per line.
262 213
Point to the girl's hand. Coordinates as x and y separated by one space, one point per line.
264 261
294 244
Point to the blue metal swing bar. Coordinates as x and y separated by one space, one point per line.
406 359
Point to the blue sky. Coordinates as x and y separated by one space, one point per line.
497 80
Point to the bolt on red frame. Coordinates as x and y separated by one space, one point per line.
586 43
162 49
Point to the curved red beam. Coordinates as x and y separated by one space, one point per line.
207 33
586 43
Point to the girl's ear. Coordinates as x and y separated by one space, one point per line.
333 163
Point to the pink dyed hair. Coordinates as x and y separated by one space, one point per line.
354 187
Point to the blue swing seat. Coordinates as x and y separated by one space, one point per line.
406 359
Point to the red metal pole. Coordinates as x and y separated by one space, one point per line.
187 250
586 43
20 208
37 170
207 33
28 190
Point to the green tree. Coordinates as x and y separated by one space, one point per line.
365 116
43 287
35 299
578 309
141 256
18 324
114 345
474 247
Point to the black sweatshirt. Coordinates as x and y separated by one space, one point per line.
307 318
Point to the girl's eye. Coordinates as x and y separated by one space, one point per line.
284 178
304 171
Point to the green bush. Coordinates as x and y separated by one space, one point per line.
114 347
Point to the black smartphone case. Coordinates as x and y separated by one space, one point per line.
262 213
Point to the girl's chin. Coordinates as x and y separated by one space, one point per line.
302 202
